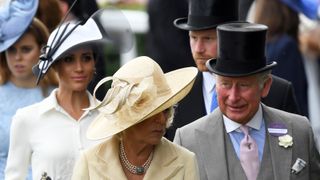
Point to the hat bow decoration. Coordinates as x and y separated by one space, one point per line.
134 95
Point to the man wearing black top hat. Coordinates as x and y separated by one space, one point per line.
203 18
243 138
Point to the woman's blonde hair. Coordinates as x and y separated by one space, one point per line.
41 34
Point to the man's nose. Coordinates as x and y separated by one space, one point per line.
199 47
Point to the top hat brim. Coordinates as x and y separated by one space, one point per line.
211 65
182 23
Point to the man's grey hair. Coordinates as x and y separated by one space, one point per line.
263 77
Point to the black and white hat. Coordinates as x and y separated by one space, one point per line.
107 26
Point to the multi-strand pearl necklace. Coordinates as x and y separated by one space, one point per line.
132 168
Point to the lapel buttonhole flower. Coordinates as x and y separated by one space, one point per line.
285 140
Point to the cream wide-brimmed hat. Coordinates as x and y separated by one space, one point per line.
139 90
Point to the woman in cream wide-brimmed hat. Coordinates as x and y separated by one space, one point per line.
133 118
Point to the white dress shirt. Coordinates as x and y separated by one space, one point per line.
209 82
257 131
48 138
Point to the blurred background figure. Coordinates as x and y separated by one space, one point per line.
50 135
310 8
49 12
81 10
163 39
132 123
310 47
283 45
20 48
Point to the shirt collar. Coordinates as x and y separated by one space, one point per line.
209 81
51 101
254 123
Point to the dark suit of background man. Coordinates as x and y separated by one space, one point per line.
203 18
282 143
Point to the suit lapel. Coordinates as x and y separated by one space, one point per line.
281 157
186 112
163 165
212 147
197 95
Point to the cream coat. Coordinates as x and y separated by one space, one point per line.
170 161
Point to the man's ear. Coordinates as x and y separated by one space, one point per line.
266 87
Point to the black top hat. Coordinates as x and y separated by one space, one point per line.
241 50
207 14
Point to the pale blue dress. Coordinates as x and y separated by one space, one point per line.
11 99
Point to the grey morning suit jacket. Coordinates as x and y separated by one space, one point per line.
207 138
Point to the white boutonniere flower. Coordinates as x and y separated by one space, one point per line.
285 140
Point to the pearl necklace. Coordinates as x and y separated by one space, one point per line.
132 168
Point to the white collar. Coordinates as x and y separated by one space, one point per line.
209 81
254 123
51 101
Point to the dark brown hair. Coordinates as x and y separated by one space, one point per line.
49 13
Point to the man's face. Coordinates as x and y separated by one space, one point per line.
203 45
239 97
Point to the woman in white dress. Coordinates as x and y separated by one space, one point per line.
50 135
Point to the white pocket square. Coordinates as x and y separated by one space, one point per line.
298 166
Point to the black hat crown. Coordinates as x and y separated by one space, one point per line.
207 14
241 50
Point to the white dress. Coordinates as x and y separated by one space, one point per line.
48 138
